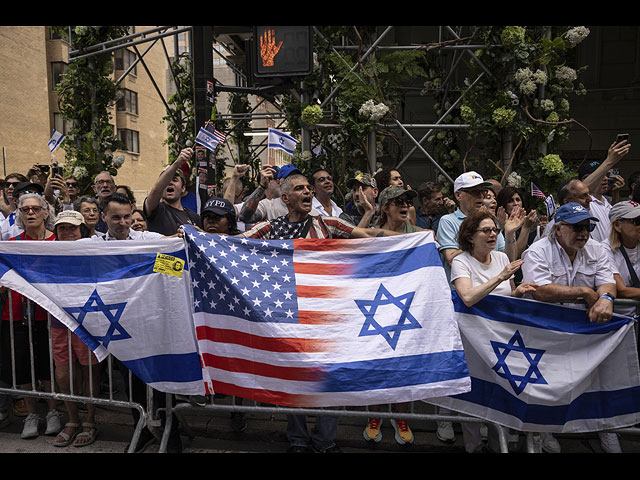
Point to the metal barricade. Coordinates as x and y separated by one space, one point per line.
149 415
55 393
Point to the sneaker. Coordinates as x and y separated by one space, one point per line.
30 429
610 442
445 432
53 422
238 421
372 431
404 434
548 443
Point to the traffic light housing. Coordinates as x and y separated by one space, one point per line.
282 51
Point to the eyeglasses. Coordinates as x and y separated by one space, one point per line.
401 202
322 179
101 182
489 230
578 227
476 193
635 221
35 209
72 184
10 184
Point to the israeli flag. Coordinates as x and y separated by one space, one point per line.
281 141
539 367
56 140
207 139
128 298
551 206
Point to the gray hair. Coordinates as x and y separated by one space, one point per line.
49 219
285 185
85 199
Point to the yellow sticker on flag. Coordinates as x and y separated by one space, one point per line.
168 265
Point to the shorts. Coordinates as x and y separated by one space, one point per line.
79 350
41 354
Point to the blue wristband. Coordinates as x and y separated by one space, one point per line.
608 297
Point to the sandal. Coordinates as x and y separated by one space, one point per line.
85 438
63 439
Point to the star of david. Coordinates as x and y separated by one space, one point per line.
113 313
390 333
532 355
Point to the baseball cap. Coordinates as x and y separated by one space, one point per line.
27 187
286 170
219 206
469 180
588 168
394 191
625 209
363 178
573 213
69 216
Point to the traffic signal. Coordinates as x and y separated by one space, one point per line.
282 51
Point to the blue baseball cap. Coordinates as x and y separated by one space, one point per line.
573 213
286 170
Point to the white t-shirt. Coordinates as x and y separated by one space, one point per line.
465 265
600 210
619 266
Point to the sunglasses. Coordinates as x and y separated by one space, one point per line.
489 230
635 221
322 179
72 184
578 227
401 202
476 193
28 209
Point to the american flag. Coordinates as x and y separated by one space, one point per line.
321 323
536 192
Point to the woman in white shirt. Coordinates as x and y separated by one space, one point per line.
477 272
480 270
623 247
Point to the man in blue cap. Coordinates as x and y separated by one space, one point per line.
566 265
258 206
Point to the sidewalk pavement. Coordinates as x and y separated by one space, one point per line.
265 433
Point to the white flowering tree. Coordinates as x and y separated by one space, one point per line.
526 100
357 96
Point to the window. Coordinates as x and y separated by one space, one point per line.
60 124
124 59
57 70
128 101
130 138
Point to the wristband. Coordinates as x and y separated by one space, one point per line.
608 296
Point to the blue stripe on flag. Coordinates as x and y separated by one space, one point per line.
395 372
394 263
81 268
185 367
538 314
590 405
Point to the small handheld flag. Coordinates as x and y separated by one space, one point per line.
55 141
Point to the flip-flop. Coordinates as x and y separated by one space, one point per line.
86 438
66 438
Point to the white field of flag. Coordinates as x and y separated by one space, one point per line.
55 141
282 141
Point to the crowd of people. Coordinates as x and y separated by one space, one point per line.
490 242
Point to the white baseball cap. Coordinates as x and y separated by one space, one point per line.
468 180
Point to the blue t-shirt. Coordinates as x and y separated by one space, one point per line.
447 237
